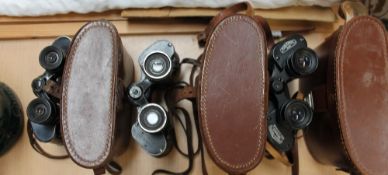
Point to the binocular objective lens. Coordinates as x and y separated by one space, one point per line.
152 118
157 65
41 111
298 114
304 62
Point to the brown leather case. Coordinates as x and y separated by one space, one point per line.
350 90
94 116
232 92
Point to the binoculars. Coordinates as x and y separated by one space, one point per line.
289 59
43 111
152 130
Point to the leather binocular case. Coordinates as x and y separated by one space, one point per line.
350 98
94 110
232 88
11 118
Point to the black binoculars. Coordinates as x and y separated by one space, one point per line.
288 60
43 111
152 130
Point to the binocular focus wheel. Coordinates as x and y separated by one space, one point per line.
152 118
37 85
157 65
298 114
51 59
304 62
41 111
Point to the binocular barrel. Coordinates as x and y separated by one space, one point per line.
290 59
159 64
43 112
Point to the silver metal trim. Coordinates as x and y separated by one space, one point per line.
164 114
309 99
156 77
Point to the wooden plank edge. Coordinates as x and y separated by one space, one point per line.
313 13
45 30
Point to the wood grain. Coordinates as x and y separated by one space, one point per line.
287 13
142 27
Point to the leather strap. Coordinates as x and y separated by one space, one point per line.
181 91
186 92
268 34
53 88
232 10
277 155
34 144
113 168
295 159
352 8
99 171
320 98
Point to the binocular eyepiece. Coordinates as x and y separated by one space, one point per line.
303 62
152 118
157 65
298 114
293 55
159 61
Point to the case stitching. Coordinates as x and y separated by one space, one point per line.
341 108
67 72
204 100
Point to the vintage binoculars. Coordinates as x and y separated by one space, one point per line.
152 130
289 59
43 111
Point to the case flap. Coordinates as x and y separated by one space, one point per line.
361 85
89 99
233 94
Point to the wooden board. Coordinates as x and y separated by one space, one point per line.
288 13
113 15
19 65
161 21
142 27
319 14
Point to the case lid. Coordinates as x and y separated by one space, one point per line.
88 104
233 94
361 77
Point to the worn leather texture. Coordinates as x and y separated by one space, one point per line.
349 128
232 94
94 119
